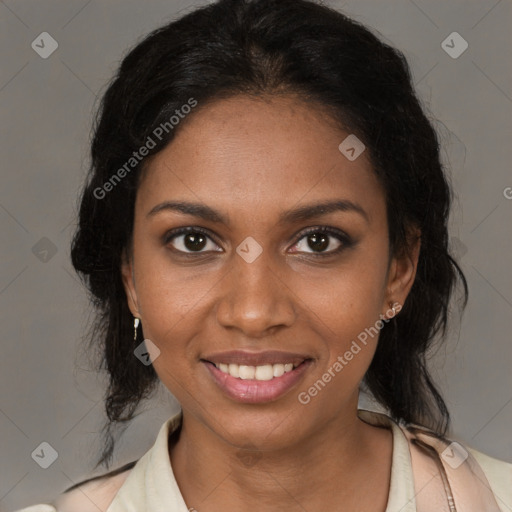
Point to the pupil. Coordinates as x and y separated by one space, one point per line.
319 245
195 241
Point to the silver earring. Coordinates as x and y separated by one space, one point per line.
393 308
136 322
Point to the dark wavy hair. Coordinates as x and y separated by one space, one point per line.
257 47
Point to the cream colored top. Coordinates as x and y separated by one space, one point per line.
150 486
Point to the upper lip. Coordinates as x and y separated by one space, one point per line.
242 357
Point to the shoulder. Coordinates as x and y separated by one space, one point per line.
493 474
481 474
95 494
92 495
499 475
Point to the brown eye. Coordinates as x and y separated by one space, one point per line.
323 241
319 242
194 241
190 240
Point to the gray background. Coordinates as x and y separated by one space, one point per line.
48 392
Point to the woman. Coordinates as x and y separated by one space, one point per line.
264 231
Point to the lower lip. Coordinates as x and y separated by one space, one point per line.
252 391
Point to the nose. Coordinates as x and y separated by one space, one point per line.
255 298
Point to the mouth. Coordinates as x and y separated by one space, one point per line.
256 378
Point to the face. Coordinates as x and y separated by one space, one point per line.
257 300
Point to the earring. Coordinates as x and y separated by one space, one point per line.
136 322
394 308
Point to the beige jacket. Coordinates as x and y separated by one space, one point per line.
427 475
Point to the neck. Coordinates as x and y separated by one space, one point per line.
330 466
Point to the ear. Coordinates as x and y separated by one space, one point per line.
129 283
402 271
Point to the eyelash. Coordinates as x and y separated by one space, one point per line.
342 237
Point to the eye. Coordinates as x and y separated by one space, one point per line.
190 240
321 238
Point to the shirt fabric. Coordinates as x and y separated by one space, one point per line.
150 486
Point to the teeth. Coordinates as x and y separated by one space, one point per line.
233 370
278 370
246 372
264 372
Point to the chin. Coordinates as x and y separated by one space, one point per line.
254 426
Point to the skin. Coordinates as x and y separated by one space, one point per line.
252 159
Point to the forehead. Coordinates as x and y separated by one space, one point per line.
258 153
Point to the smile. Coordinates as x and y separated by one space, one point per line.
256 377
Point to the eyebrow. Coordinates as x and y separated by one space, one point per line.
296 215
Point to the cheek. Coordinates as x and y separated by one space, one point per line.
170 304
347 325
348 299
171 323
344 309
